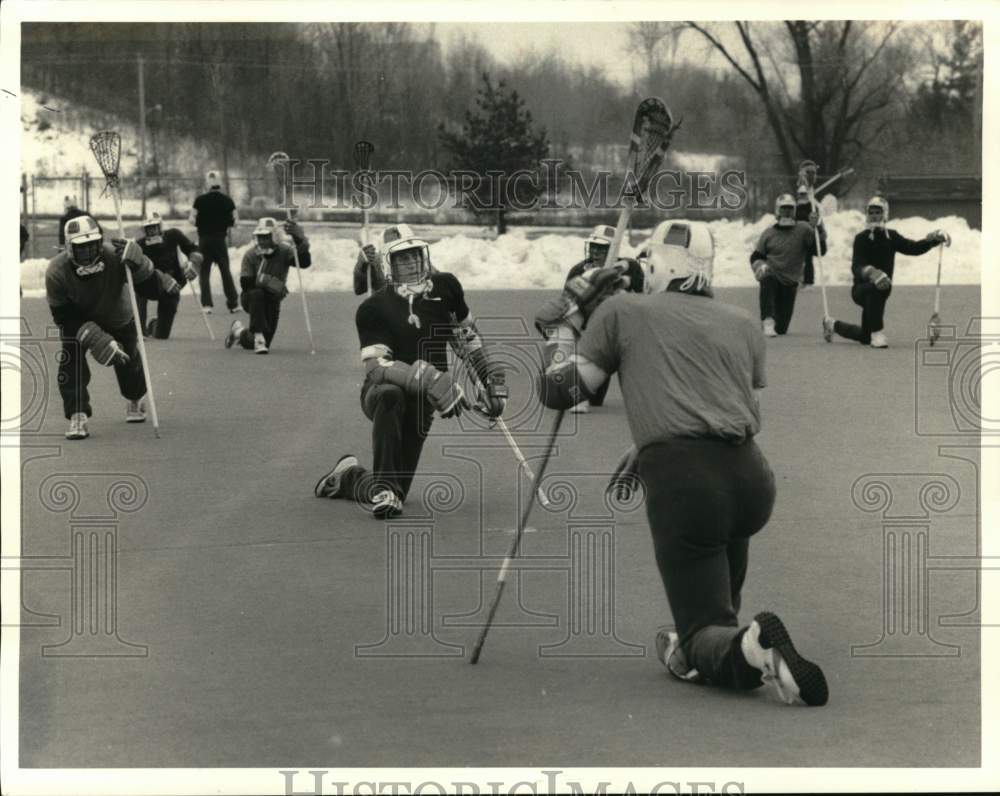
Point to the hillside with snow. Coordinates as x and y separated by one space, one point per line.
55 143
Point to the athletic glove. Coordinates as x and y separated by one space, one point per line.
443 394
371 256
877 277
168 284
129 252
580 297
104 348
814 218
760 269
495 395
939 237
293 229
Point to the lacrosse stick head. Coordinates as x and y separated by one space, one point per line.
363 151
107 148
652 130
277 159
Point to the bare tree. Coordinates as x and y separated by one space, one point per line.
844 76
649 38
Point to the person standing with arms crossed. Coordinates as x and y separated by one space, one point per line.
689 368
213 214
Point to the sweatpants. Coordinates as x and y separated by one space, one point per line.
705 498
809 272
74 372
215 250
872 302
264 309
166 311
777 300
400 424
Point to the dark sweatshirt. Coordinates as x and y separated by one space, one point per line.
878 247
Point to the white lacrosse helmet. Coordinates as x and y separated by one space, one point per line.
213 181
596 247
680 249
152 227
265 235
394 233
784 210
407 258
876 203
84 242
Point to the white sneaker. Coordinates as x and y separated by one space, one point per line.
769 328
234 333
386 505
329 485
207 310
77 427
879 340
669 652
828 329
581 408
135 412
259 346
767 646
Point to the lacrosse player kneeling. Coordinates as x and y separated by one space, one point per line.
263 275
688 367
87 292
404 332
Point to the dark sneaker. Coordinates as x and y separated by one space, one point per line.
767 646
329 485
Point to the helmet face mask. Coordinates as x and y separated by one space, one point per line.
264 236
597 252
152 229
85 245
597 246
409 263
876 213
784 210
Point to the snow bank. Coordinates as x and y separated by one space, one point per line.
517 261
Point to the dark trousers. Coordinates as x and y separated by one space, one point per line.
166 310
872 302
777 300
705 498
400 424
264 309
809 272
74 372
215 250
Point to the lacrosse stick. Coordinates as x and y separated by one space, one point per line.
935 321
274 161
363 151
194 295
515 449
833 179
107 148
652 130
515 545
807 178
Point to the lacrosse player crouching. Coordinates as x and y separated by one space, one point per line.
873 264
263 275
87 292
404 331
688 367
